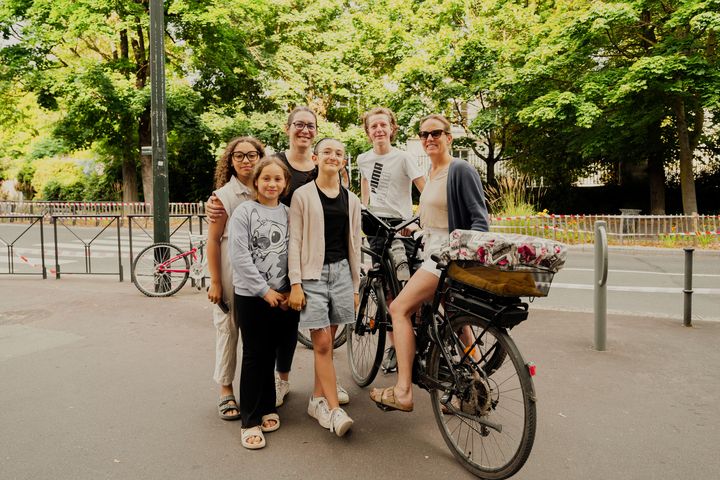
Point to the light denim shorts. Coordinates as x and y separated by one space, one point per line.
433 241
330 300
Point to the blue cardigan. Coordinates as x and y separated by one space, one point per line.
465 197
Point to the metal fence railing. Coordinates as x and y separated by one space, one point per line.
122 209
16 240
22 237
668 230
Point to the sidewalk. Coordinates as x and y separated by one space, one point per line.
99 381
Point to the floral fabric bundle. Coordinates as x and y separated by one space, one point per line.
505 251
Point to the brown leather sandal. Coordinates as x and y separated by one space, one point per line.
385 399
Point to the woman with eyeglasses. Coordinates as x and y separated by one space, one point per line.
452 198
233 180
301 129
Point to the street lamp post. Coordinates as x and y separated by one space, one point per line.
158 122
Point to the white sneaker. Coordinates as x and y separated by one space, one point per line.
342 394
340 422
319 410
282 388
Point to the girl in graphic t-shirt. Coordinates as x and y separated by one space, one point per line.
259 247
324 272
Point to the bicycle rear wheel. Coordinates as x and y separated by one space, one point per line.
366 337
488 420
149 270
340 337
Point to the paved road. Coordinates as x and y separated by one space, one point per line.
640 282
644 282
99 381
73 244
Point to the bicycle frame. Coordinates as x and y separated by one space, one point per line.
385 260
162 266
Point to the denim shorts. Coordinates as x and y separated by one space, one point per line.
330 300
434 240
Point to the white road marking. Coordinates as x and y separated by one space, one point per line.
584 286
644 272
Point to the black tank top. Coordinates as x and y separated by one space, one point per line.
337 217
298 178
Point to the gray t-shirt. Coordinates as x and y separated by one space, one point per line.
258 248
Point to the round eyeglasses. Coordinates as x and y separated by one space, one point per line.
249 156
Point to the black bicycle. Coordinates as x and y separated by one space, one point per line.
366 337
339 340
481 389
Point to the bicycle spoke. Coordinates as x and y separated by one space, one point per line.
489 422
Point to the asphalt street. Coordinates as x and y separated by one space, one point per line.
99 381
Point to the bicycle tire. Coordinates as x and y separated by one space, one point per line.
505 398
158 284
340 337
366 337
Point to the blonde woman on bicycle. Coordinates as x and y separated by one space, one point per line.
452 198
233 180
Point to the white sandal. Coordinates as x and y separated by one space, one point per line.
248 433
270 417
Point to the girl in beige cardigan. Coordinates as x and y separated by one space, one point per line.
324 272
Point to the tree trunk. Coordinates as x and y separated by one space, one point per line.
490 171
146 162
144 127
687 178
656 172
129 175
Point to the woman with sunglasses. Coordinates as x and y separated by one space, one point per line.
452 198
233 180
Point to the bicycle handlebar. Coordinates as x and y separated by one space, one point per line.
385 226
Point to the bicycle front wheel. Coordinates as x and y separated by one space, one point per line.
150 270
340 337
366 337
488 417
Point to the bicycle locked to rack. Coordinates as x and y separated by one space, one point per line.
162 269
481 388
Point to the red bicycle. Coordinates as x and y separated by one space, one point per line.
162 269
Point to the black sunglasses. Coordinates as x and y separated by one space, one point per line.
435 133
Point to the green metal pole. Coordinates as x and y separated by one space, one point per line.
158 122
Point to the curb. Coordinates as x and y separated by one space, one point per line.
637 250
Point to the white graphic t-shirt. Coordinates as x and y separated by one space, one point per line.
390 177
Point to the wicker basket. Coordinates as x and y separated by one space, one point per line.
519 282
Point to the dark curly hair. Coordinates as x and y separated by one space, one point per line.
224 169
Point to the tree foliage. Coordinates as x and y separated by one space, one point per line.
555 88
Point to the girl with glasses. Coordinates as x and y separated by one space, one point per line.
452 198
234 186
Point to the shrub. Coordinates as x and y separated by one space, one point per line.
54 190
512 196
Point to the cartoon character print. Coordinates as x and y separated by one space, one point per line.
269 246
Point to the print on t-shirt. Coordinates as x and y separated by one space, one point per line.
268 246
379 183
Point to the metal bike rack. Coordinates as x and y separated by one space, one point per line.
600 285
